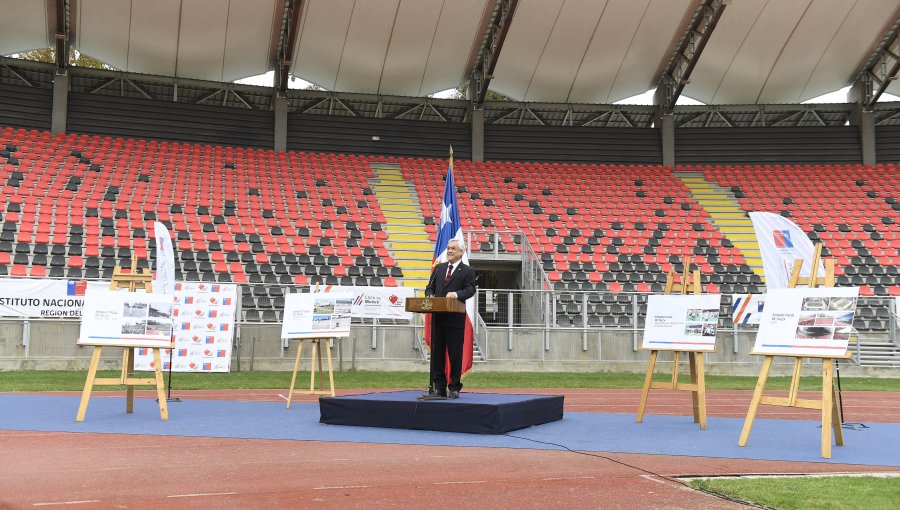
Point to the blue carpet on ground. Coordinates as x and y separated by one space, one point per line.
783 440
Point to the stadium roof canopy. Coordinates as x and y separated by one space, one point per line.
575 51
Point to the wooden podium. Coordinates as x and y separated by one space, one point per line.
434 305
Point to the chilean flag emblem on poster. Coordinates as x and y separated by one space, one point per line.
194 302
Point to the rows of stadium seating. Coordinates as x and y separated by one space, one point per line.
620 228
854 210
596 227
75 206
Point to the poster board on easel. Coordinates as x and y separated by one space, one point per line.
317 318
137 318
681 320
810 322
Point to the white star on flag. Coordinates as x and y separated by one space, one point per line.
445 214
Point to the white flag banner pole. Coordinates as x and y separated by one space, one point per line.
781 242
164 279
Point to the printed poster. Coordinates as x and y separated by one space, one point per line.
747 308
203 317
807 322
319 315
375 302
129 319
682 322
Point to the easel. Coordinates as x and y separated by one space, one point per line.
689 283
831 417
316 354
132 281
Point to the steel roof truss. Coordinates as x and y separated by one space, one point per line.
688 51
483 71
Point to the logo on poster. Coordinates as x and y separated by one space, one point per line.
76 287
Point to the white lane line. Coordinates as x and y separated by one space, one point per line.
342 487
568 478
459 483
201 494
655 479
67 502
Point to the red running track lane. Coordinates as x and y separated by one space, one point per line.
87 471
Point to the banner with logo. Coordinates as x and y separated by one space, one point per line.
375 302
781 242
318 315
24 297
747 308
682 322
128 319
203 317
807 321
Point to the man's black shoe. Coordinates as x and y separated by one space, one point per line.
453 395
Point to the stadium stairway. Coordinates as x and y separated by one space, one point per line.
407 238
726 215
880 353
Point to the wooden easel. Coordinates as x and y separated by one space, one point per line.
132 281
689 283
831 417
316 355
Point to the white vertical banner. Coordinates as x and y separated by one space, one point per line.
781 242
164 279
204 316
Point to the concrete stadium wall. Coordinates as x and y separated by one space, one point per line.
52 346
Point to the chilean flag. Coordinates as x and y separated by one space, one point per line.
449 228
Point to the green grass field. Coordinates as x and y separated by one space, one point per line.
810 493
42 380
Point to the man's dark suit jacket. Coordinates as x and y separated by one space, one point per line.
462 281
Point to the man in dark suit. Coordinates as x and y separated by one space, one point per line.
451 279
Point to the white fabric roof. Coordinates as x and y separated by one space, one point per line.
594 51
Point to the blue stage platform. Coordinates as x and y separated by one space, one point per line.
474 413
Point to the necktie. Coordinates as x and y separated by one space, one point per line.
449 272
